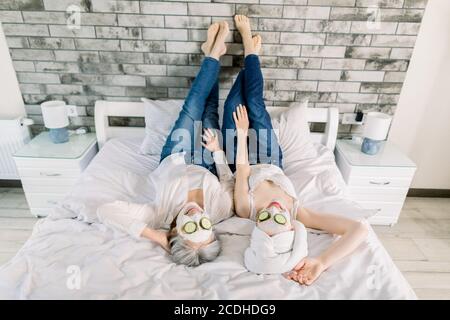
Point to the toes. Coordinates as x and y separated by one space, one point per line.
239 18
225 25
214 26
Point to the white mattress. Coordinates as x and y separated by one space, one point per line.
68 258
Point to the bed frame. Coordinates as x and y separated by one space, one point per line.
106 109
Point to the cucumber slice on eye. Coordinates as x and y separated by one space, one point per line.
190 227
280 219
263 216
205 223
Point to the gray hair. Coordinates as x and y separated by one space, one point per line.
182 253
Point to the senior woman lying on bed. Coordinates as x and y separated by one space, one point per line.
264 193
190 198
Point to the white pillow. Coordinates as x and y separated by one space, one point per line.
160 116
293 133
291 126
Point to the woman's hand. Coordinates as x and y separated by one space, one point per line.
158 236
241 119
211 140
306 271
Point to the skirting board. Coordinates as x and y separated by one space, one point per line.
10 184
429 193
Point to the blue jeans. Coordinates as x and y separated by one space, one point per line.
248 90
200 110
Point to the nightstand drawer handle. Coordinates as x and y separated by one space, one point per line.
49 174
380 183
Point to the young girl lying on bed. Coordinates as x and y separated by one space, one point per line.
262 191
190 198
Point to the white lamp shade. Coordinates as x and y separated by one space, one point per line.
55 114
376 125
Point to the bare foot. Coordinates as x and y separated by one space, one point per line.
219 48
211 36
256 44
243 25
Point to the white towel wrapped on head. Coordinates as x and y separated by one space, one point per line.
276 254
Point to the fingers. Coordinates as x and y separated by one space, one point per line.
210 140
302 278
291 275
239 111
302 274
244 112
287 275
307 280
235 117
240 114
209 135
305 277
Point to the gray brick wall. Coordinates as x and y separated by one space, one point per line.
321 50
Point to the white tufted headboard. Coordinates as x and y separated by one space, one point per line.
105 109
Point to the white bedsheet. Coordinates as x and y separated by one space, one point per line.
68 258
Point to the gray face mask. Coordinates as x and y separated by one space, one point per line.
274 221
196 228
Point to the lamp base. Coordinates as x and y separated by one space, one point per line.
59 135
370 146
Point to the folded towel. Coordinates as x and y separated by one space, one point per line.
277 254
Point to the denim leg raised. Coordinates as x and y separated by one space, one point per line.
199 107
248 90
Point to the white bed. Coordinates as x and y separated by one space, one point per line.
68 258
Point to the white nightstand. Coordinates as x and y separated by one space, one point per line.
49 170
378 181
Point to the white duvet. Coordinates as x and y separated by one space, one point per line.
72 256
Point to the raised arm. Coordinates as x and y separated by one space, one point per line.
237 186
226 179
352 234
211 143
241 188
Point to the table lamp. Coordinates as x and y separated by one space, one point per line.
56 120
375 130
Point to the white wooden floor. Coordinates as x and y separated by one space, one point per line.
419 243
